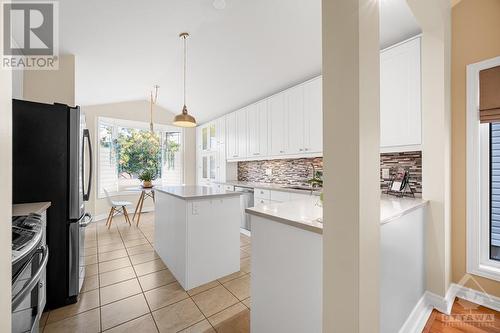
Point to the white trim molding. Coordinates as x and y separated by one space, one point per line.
478 237
420 314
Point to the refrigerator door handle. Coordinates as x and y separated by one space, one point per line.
86 195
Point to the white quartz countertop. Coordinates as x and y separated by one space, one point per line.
195 192
28 208
304 213
269 186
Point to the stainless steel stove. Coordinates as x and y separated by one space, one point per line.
29 260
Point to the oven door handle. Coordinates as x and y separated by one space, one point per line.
19 297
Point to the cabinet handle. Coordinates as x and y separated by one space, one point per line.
256 153
307 149
282 152
301 149
235 155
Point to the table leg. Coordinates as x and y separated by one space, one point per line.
138 204
140 209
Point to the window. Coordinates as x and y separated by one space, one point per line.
483 173
128 148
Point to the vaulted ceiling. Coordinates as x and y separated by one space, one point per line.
236 55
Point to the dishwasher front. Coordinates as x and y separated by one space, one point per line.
246 202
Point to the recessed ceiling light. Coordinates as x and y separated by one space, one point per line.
219 4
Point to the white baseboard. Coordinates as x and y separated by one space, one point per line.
417 319
101 217
478 297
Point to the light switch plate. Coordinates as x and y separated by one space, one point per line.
386 173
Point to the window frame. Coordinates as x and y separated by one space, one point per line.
478 180
141 125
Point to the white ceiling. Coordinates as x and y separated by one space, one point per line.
236 55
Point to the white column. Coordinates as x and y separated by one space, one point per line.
434 19
351 163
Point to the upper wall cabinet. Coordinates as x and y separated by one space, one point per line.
313 116
278 126
294 98
257 136
400 98
236 135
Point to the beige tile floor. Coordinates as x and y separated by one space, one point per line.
128 288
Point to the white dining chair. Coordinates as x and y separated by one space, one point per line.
117 207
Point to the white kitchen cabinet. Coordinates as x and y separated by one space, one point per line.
231 136
278 125
400 97
211 152
294 98
313 116
221 149
241 125
236 135
257 120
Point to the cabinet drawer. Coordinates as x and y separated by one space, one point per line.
280 196
298 196
260 202
229 188
262 194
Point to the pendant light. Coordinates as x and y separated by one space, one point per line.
152 102
184 119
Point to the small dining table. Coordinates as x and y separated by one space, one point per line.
146 192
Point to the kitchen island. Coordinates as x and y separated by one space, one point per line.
197 232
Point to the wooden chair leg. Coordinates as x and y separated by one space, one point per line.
109 215
111 218
127 218
140 211
138 205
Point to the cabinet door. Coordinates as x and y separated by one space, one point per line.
204 138
295 108
253 130
278 125
313 116
231 136
262 123
400 98
257 129
221 149
199 168
212 136
241 120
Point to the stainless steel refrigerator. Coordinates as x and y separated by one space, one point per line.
52 161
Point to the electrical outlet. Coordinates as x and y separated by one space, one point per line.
269 172
386 173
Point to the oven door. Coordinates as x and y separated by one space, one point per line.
28 291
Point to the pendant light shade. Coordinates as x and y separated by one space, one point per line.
184 119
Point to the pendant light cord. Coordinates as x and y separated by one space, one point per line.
185 57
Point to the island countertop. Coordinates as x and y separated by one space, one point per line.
195 192
304 213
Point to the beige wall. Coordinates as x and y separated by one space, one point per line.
137 111
51 86
476 37
351 234
5 196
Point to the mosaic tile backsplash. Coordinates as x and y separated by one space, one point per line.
298 171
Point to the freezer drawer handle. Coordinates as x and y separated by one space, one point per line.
19 297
